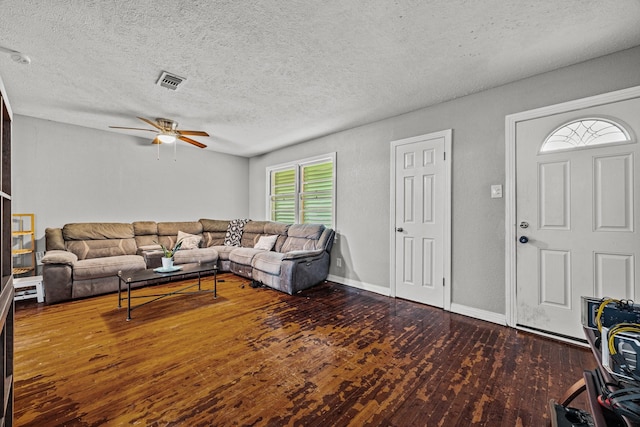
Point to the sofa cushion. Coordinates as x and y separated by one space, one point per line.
172 228
97 231
195 255
255 227
266 243
305 231
107 266
214 224
147 240
302 237
213 231
243 255
252 232
269 262
146 233
224 251
189 241
145 228
168 231
97 240
87 249
278 228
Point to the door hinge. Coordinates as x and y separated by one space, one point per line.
444 155
443 281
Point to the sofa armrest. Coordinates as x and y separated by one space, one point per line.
57 272
59 257
295 255
57 282
306 269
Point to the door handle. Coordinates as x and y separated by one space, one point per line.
523 239
399 229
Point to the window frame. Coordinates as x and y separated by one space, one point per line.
298 166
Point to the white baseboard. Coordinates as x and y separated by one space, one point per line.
360 285
477 313
553 337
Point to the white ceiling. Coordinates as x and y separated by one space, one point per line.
266 74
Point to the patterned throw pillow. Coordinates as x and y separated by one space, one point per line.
189 241
234 232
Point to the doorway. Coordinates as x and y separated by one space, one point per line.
421 219
571 209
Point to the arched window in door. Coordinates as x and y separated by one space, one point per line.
585 133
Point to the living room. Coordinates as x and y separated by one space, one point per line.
69 172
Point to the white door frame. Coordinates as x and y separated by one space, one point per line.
446 134
511 122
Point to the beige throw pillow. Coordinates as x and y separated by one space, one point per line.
266 242
189 241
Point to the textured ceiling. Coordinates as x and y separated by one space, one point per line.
266 74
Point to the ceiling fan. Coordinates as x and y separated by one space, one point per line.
167 131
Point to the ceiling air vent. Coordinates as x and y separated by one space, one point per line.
170 81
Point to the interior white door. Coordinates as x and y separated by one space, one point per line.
578 210
420 219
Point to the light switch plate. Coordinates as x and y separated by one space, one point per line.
496 191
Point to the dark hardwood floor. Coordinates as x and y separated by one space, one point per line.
331 356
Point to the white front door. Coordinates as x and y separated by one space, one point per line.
576 213
421 236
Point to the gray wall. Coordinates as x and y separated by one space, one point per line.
478 123
65 173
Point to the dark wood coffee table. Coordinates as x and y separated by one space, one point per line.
151 275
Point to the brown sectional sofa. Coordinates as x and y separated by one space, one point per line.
83 259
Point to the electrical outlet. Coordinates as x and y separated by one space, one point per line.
339 262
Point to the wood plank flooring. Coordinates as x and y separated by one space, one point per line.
330 356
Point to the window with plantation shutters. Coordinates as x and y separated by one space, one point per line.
303 191
316 195
283 195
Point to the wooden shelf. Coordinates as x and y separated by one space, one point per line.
23 242
21 233
22 270
6 264
21 251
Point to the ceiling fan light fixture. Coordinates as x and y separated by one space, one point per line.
167 139
166 131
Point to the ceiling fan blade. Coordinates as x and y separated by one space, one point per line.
156 141
155 125
192 132
121 127
192 141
